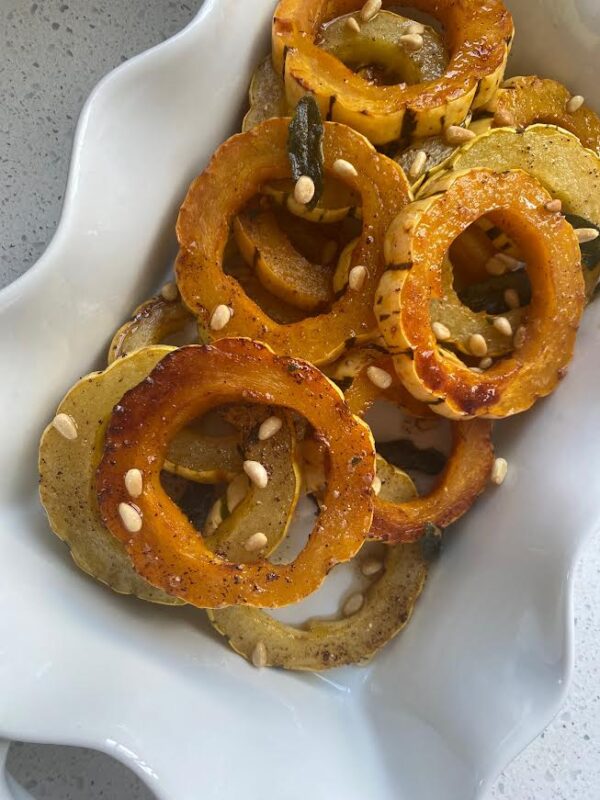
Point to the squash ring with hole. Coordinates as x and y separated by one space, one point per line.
233 177
324 644
554 157
477 36
525 100
416 246
67 474
167 550
463 479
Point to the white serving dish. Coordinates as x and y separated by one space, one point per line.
484 664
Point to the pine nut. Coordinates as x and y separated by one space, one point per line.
220 318
379 377
169 292
259 655
456 135
370 9
371 566
503 326
499 471
304 190
66 426
269 428
478 345
356 278
344 169
134 482
440 331
575 103
257 473
256 542
130 517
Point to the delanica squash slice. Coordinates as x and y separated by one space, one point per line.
235 175
416 246
569 172
459 481
68 465
162 544
397 574
528 99
394 579
477 38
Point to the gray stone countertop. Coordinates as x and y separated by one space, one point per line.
51 55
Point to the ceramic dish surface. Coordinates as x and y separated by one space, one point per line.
483 666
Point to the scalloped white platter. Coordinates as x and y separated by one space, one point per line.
484 664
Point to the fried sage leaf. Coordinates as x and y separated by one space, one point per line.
305 145
405 454
489 295
590 251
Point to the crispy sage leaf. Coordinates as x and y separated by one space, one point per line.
431 542
305 144
488 295
590 251
404 454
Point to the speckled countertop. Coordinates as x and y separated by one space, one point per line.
51 55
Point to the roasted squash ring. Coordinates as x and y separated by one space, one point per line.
150 324
464 478
378 52
477 36
324 644
233 177
461 321
416 245
388 604
525 100
67 472
282 270
556 158
167 551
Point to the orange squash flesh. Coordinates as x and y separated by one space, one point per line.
477 36
282 270
236 173
416 245
362 392
168 551
527 99
465 476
